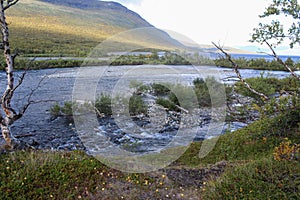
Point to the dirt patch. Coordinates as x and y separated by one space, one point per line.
195 177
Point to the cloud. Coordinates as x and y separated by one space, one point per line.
229 22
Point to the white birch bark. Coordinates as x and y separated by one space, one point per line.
9 115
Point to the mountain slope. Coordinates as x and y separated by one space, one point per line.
110 12
74 27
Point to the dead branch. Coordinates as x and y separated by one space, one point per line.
25 135
21 79
280 61
98 112
14 56
29 97
19 83
236 70
182 109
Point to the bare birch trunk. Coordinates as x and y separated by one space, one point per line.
9 114
8 137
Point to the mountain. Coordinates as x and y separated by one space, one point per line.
75 27
112 12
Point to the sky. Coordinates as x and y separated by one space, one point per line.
226 22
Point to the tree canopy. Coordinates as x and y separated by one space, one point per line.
275 31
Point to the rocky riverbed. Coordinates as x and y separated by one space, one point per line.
42 131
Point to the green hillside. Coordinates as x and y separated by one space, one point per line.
75 27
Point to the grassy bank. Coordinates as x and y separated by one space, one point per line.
251 170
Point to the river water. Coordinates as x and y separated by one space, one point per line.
51 86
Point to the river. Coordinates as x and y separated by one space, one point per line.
57 85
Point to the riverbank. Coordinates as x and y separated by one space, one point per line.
153 58
242 165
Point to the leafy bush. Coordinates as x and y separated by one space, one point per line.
261 84
55 110
103 104
65 110
143 88
288 84
191 97
202 92
167 104
68 107
137 105
183 96
283 96
160 89
208 89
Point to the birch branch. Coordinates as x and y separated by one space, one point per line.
236 70
280 61
10 3
21 79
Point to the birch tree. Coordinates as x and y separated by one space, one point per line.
8 114
273 34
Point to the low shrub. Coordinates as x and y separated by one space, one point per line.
103 105
262 179
167 104
184 96
268 85
137 105
68 108
65 110
261 84
208 90
287 151
160 89
55 110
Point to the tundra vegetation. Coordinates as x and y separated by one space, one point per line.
260 161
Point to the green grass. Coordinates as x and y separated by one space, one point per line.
75 175
251 173
262 179
254 142
255 173
42 175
